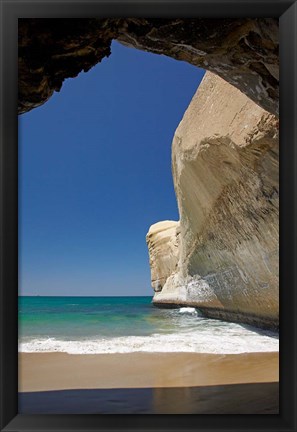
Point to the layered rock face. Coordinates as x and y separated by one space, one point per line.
242 51
225 169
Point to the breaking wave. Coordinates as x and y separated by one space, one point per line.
189 310
238 341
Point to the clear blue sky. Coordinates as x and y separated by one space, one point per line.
95 173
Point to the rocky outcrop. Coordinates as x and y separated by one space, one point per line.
225 169
162 240
242 51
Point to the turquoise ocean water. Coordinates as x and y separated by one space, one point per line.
88 325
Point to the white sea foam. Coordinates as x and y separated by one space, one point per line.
233 340
189 310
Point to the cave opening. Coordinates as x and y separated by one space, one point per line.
233 50
95 173
129 144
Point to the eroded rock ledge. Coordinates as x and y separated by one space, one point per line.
242 51
225 170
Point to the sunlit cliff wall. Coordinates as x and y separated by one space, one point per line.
225 170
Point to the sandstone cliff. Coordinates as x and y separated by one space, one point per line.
225 170
162 241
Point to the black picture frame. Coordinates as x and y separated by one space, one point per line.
286 11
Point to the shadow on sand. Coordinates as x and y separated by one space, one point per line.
260 398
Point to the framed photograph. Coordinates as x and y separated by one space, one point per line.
147 264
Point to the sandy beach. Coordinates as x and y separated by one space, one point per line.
148 383
60 371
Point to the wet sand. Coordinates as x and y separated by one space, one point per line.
155 383
60 371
